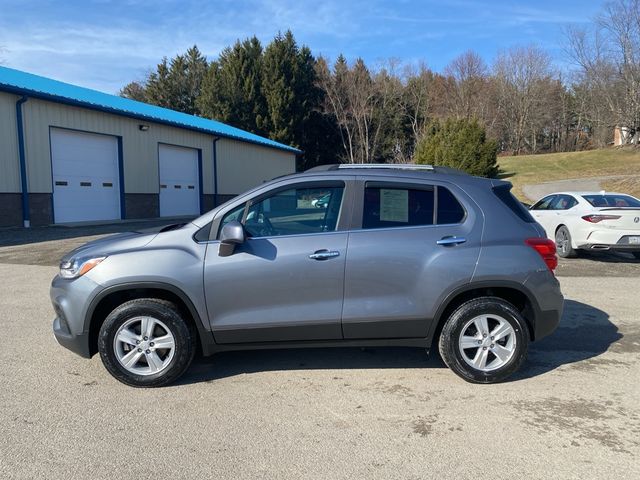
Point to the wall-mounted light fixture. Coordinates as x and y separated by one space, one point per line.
143 127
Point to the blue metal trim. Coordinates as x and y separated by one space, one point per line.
149 118
26 217
201 193
53 202
123 210
215 171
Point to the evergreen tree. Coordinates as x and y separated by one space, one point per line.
458 143
176 83
231 90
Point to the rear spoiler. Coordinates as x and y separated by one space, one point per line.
618 208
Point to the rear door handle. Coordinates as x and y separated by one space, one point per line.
324 254
451 240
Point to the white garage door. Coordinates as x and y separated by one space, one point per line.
179 181
86 180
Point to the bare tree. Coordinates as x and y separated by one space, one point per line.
359 101
467 92
416 99
608 56
521 74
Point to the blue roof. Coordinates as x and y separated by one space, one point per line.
24 83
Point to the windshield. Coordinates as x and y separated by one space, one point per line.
612 200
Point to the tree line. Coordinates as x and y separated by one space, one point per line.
358 113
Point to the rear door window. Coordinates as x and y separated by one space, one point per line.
391 206
388 205
563 202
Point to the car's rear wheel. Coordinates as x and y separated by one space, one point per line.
563 243
146 343
485 340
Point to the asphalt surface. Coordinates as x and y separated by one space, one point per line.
592 184
571 412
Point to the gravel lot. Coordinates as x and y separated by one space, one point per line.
572 412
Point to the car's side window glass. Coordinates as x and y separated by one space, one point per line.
449 209
232 215
544 204
563 202
397 207
296 211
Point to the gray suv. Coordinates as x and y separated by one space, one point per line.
398 255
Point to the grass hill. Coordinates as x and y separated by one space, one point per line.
623 163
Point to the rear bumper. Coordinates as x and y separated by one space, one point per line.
548 305
610 239
546 323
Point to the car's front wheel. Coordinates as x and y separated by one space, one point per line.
146 343
484 340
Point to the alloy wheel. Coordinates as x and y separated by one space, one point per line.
487 342
144 345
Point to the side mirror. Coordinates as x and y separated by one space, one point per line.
232 234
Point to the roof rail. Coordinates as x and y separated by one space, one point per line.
390 166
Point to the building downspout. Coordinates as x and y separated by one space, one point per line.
23 163
215 171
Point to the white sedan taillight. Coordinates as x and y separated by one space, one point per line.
599 218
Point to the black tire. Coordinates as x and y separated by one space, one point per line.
636 254
563 243
453 328
166 312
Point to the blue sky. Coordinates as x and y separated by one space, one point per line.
104 44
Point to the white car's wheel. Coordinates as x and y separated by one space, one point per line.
563 243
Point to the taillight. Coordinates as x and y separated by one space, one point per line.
599 218
547 250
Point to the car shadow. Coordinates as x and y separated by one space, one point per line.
584 332
230 364
608 256
22 236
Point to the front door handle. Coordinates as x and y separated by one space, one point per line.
324 254
451 240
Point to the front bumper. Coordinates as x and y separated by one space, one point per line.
70 299
78 343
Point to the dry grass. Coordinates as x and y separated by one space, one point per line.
630 185
534 169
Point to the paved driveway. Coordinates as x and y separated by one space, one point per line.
593 184
572 412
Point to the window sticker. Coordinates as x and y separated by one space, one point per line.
394 205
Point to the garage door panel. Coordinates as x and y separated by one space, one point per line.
179 181
86 178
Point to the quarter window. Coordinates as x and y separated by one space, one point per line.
449 209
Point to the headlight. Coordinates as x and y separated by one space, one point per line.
76 267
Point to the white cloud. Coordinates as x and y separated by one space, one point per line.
104 44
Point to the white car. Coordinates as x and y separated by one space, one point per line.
590 221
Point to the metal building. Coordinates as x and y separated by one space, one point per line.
70 154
